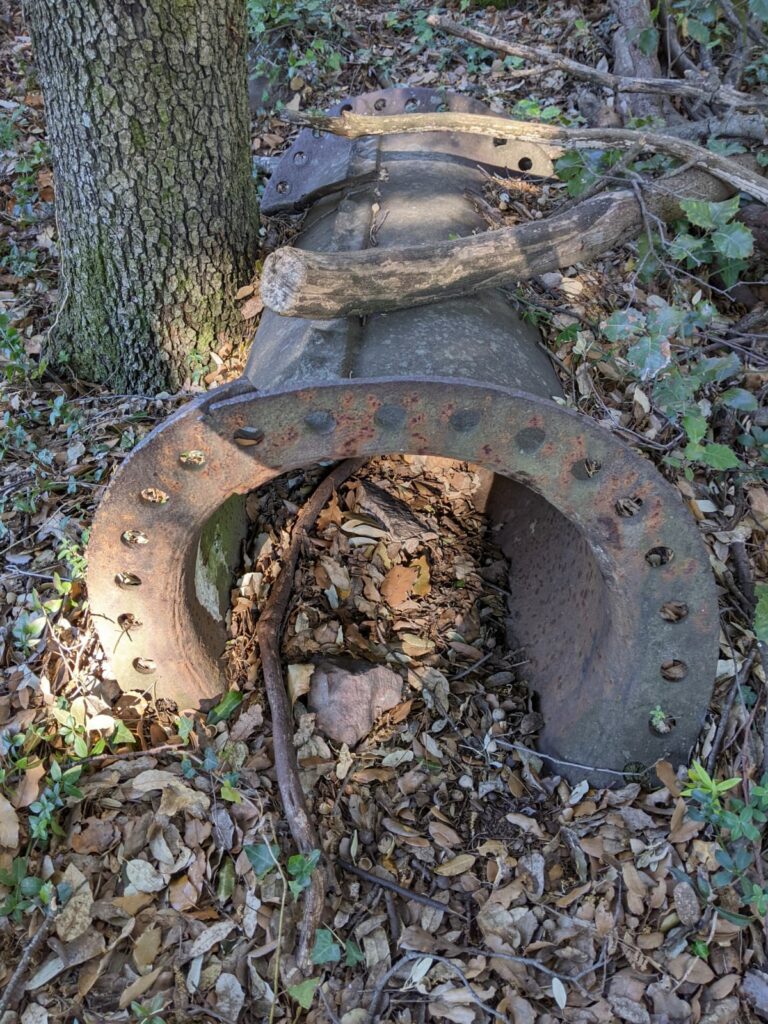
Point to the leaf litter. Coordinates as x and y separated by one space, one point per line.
487 886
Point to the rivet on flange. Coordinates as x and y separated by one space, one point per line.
530 439
321 421
389 417
464 420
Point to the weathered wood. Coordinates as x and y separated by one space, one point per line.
353 126
695 89
327 285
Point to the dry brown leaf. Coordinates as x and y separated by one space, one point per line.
422 586
138 988
146 948
398 584
75 916
252 307
444 835
526 823
298 680
9 825
96 835
456 866
144 877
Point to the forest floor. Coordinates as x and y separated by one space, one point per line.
146 872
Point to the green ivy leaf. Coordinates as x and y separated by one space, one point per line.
761 612
648 41
739 398
733 241
624 323
263 857
304 992
355 955
230 702
709 215
325 950
184 727
649 355
697 31
122 734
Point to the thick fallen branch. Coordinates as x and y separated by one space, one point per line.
325 285
268 633
701 89
353 126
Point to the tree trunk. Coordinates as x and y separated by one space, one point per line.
147 112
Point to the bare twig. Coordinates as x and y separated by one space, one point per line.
268 632
557 760
9 994
385 883
695 89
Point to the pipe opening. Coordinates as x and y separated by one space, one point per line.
418 561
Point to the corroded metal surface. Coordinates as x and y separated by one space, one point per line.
596 697
610 590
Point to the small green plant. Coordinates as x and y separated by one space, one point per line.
25 892
738 826
149 1012
61 785
660 720
711 238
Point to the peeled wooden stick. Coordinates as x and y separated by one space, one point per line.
353 126
296 282
268 632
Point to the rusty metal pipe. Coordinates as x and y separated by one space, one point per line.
610 591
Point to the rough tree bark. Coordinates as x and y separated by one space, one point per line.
147 115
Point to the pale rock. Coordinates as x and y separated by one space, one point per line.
348 695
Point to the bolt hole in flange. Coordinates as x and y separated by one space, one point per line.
346 108
193 459
283 187
525 163
145 666
248 437
128 622
500 142
134 538
674 670
380 104
126 580
661 723
154 496
300 158
674 611
586 469
410 105
658 556
627 507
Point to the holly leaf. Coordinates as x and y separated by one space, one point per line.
325 950
304 992
733 241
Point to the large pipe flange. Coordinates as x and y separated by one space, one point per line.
611 592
